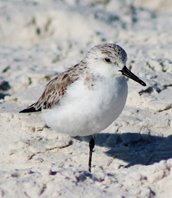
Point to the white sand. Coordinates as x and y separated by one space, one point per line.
39 38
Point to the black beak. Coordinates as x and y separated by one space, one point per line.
126 72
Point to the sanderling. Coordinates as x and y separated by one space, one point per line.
89 96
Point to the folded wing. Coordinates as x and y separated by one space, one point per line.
54 90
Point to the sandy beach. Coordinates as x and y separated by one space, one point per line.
133 156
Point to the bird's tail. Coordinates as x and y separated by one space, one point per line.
30 109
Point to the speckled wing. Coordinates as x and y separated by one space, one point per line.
55 89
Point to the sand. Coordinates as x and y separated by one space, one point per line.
133 156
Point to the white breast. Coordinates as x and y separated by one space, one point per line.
85 111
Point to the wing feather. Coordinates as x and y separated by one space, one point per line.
55 89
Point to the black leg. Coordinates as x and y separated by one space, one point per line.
91 146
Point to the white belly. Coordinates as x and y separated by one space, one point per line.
85 111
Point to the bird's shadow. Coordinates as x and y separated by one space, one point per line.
135 148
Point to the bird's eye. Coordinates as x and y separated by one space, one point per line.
107 60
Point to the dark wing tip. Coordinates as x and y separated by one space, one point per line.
29 110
